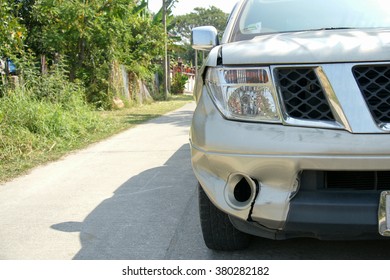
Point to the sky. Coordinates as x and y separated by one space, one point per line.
187 6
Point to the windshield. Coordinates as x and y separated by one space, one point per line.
276 16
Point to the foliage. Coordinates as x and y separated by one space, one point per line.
141 46
11 31
90 35
35 131
200 17
178 83
157 18
46 115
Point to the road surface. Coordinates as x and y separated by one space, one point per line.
132 196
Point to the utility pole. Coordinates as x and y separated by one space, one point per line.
166 70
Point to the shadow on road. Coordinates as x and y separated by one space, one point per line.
140 219
312 249
154 215
189 245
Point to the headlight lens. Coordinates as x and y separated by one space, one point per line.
243 94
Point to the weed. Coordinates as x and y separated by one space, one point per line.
35 130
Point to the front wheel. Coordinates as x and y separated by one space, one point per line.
218 231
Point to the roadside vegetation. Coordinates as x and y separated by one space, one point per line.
74 64
35 131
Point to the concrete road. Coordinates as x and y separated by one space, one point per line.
131 197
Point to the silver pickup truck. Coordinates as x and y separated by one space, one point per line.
290 137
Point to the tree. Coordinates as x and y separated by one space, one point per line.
182 26
12 33
92 34
90 37
200 17
157 18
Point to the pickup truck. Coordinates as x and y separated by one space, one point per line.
291 133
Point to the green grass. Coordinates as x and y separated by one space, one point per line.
139 114
34 132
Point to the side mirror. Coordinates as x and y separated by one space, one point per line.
204 38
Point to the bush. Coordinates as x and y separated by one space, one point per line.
179 83
44 116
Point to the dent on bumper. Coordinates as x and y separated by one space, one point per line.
274 155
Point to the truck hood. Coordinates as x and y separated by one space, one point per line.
324 46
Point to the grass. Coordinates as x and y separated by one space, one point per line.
34 132
139 114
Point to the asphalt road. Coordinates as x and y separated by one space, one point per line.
132 197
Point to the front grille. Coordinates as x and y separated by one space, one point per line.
374 83
358 180
345 180
302 94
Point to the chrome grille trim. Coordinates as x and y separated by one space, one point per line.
331 118
349 108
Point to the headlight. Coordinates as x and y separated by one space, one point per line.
243 94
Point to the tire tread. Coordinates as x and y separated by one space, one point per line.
218 232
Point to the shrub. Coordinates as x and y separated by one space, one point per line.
43 116
178 83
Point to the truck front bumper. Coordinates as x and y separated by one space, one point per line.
271 158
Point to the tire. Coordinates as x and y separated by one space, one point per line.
218 232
